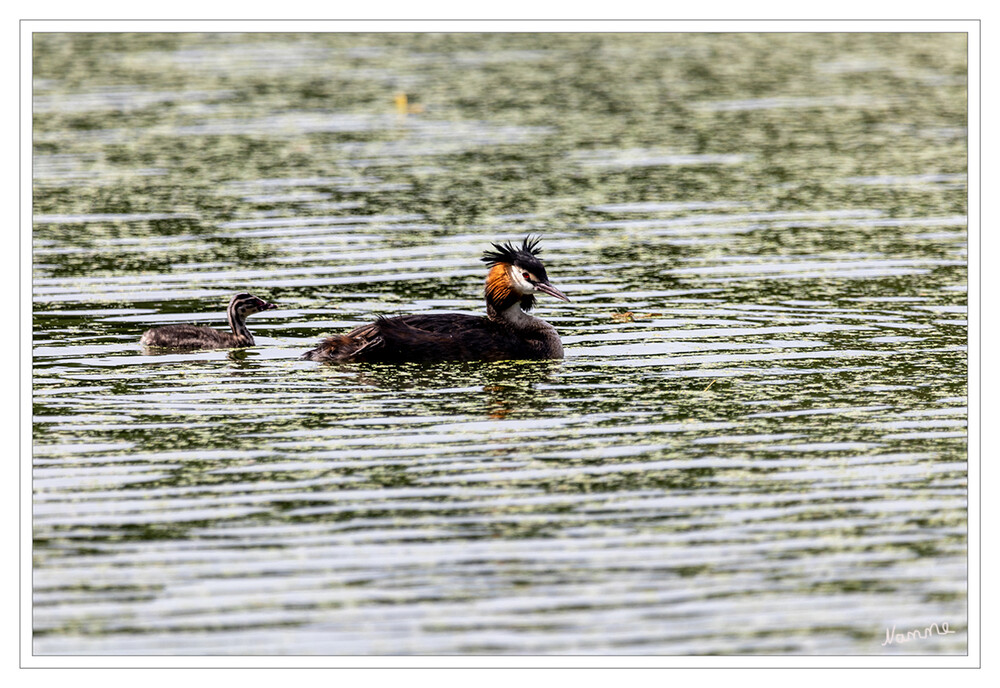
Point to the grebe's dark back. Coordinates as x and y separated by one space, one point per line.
197 337
507 332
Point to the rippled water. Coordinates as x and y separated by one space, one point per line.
756 442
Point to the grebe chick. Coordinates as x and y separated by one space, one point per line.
507 332
197 337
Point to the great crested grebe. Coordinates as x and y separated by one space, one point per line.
507 331
197 337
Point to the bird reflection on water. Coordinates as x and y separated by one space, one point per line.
510 389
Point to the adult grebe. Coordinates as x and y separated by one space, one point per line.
507 331
195 337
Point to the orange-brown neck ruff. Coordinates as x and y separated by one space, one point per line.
499 291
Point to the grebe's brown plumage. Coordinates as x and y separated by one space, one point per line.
507 332
196 337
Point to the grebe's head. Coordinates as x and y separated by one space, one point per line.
525 275
244 305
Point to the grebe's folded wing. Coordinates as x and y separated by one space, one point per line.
432 336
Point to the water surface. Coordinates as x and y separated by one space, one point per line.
756 442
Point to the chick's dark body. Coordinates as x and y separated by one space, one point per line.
190 337
193 337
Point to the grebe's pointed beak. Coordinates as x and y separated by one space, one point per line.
550 290
269 306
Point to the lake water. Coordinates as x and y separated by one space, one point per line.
757 440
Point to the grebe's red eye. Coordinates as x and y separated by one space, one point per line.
526 276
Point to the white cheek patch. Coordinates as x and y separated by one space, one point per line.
521 285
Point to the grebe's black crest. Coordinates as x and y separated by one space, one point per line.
525 256
516 275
